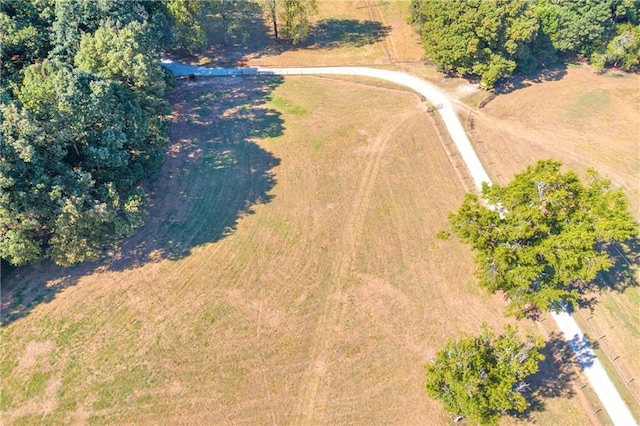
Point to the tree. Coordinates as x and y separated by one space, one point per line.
69 181
74 18
482 377
76 143
270 9
188 17
127 55
601 31
541 239
580 27
624 49
228 13
475 37
290 18
24 35
296 25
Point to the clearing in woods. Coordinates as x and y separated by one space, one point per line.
285 275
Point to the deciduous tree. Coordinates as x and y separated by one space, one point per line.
290 18
541 238
475 37
68 180
482 377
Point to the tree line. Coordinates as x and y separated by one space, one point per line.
494 39
82 113
82 106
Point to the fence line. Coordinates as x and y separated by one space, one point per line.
630 382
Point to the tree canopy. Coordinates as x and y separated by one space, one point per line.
488 39
493 39
290 18
546 240
482 377
64 173
82 123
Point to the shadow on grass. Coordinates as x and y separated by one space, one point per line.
250 37
214 174
623 274
337 33
557 372
552 73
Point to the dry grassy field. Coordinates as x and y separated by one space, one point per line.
289 273
586 121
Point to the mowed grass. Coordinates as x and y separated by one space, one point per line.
586 121
289 274
344 32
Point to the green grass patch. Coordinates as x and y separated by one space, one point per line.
286 106
5 400
35 384
590 103
122 387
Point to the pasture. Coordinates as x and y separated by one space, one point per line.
289 270
289 273
586 121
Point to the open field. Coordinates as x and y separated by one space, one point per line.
586 121
289 273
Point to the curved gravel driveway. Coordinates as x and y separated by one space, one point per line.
600 381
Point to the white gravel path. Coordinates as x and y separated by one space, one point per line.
600 381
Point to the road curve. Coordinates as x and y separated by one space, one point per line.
596 374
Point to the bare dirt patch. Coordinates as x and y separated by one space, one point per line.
32 352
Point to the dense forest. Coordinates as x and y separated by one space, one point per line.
82 113
492 40
82 106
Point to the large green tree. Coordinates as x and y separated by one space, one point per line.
24 35
482 377
189 18
541 239
489 39
129 55
624 49
69 180
584 27
81 122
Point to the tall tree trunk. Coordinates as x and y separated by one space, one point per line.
274 18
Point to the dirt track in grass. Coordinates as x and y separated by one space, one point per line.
294 276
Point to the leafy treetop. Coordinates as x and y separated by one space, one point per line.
481 377
547 241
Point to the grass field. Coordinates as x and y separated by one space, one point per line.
285 276
289 271
586 121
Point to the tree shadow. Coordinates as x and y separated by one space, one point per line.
337 33
623 274
214 175
624 271
521 81
251 37
556 373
